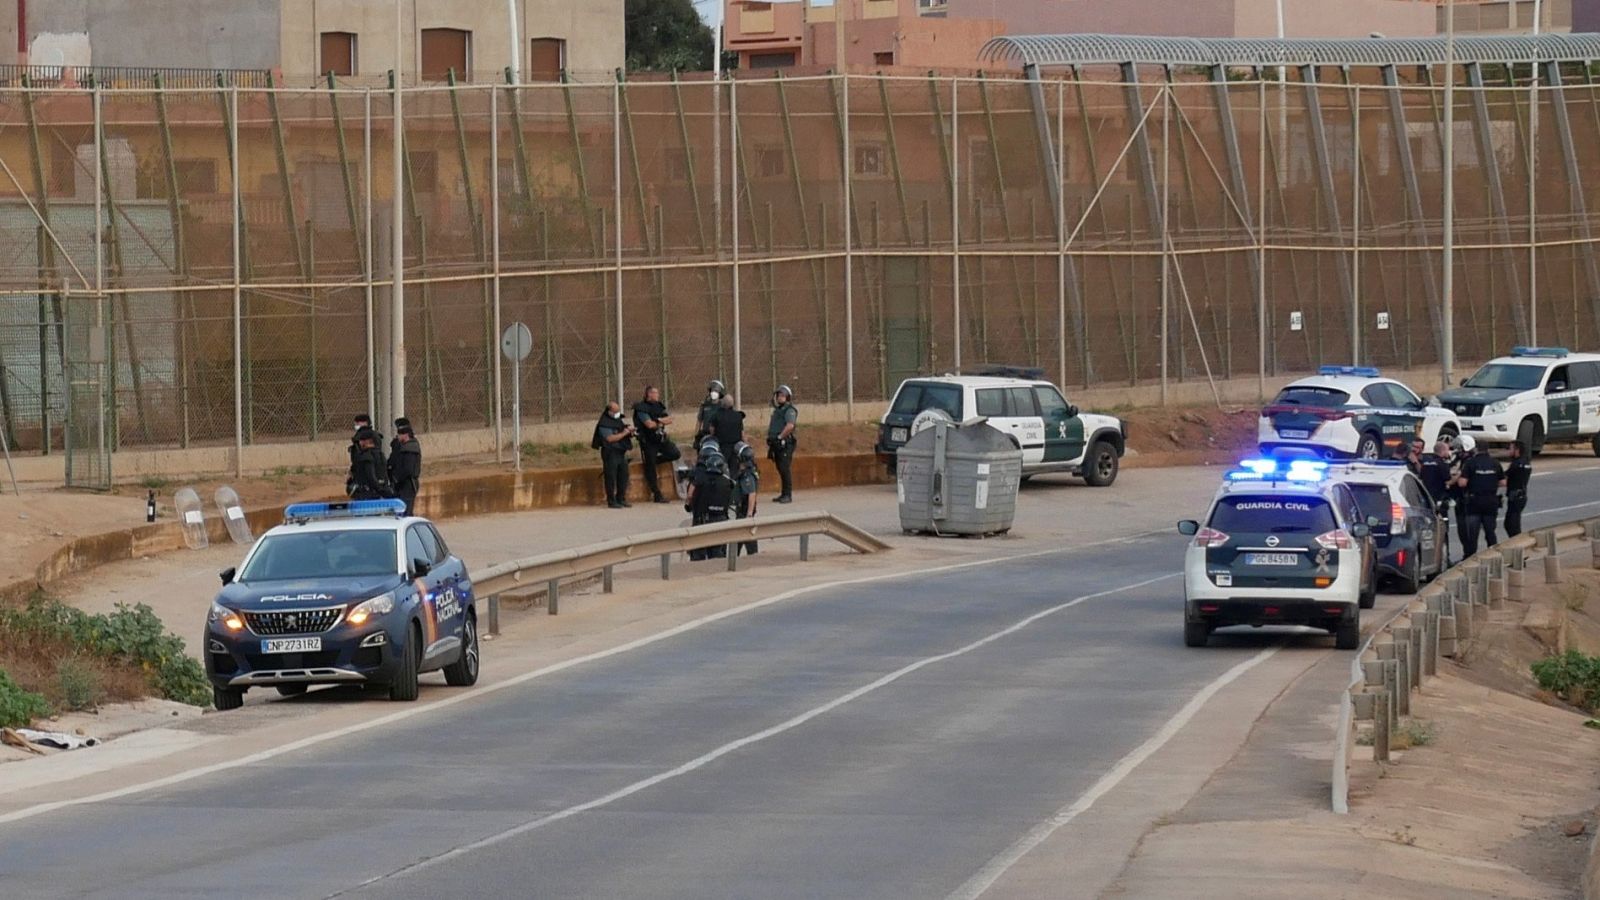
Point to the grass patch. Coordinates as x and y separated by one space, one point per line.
1572 676
1574 596
154 483
19 706
1412 733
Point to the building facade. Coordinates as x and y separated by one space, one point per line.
878 33
1207 18
306 38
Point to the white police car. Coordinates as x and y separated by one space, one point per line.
1054 435
1281 545
1351 411
1535 395
342 593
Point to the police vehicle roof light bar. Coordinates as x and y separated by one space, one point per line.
1274 470
1545 352
303 512
1361 371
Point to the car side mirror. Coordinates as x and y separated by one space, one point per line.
1189 527
227 575
1373 521
420 567
1463 382
1360 530
1072 411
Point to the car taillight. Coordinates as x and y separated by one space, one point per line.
1335 540
1209 537
1331 415
1397 519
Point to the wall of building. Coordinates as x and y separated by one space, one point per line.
1207 18
207 34
1586 15
1345 19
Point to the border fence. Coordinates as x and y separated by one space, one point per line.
211 266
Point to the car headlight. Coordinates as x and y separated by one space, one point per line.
230 619
1497 407
383 604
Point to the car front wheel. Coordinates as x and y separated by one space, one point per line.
227 698
1100 465
404 685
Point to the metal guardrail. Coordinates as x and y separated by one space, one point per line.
1405 649
550 569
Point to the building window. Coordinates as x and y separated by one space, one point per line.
883 59
547 60
771 162
932 7
446 50
338 53
771 60
871 160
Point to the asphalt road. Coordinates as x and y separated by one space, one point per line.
882 739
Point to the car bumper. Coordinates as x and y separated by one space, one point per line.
1269 610
232 661
1494 429
1332 439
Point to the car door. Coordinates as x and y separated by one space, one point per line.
1350 511
1587 382
1562 415
1414 411
417 550
1063 428
991 403
1022 406
449 608
1425 522
1389 411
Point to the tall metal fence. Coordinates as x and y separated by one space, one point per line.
668 232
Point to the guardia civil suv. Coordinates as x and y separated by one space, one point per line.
1346 412
1054 435
1281 545
1535 395
342 593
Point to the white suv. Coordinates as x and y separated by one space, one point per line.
1054 435
1535 395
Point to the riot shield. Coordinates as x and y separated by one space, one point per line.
233 515
192 517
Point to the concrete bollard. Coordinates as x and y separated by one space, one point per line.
1372 672
1380 726
1430 648
1362 703
1594 552
494 615
1546 539
1464 625
1497 593
1517 585
1395 679
1552 569
1405 641
1447 636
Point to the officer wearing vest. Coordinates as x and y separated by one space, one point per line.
1518 473
1481 479
746 484
705 419
710 494
613 437
780 439
1434 471
369 473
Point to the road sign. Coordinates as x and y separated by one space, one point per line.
1296 321
516 342
1383 321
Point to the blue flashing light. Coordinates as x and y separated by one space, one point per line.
1360 371
1545 352
1260 466
1303 470
303 512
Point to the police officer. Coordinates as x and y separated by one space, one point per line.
613 437
710 494
405 465
1518 473
1461 450
746 484
1481 478
780 439
708 410
650 419
1434 470
727 424
369 475
361 420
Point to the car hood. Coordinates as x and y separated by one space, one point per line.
1476 395
305 593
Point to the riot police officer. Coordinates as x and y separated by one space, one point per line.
780 439
613 437
727 423
746 484
369 474
710 494
1518 474
1481 479
708 410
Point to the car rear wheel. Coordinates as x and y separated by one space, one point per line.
1369 446
1100 465
464 671
1597 444
1347 636
1409 582
1195 634
291 690
1369 594
227 698
404 686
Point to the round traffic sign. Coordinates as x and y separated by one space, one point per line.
516 342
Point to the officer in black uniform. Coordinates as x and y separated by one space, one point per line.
1461 450
1434 471
613 437
1481 479
361 420
727 423
405 465
1518 473
650 419
746 484
710 494
780 439
708 410
369 474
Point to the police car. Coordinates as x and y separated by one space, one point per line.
1351 411
1407 531
342 593
1054 435
1281 545
1535 395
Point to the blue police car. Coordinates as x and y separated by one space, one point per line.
342 593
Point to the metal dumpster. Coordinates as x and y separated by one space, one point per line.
958 479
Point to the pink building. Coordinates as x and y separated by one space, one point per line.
878 34
1206 18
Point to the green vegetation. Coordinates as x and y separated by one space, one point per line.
1572 676
665 36
79 684
154 483
1412 733
17 706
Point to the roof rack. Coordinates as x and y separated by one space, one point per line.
353 509
996 370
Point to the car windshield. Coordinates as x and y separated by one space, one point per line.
1273 515
917 397
1504 376
322 554
1304 395
1374 500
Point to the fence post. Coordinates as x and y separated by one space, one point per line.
1382 708
494 615
553 592
805 547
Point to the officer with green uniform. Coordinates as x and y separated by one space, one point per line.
780 439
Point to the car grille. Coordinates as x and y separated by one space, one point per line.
296 621
1467 409
321 659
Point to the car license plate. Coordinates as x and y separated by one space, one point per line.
291 645
1294 433
1272 559
898 435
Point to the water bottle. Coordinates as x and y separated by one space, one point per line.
150 507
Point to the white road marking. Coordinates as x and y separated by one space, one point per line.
714 755
1565 471
980 883
1547 512
488 689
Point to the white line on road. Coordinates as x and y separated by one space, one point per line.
1565 471
489 689
713 755
980 883
1560 509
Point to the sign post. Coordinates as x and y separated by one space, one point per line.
516 343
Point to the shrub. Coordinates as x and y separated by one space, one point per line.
1572 676
131 634
79 684
18 708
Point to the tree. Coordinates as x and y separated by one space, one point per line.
666 36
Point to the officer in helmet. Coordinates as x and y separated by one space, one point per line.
746 484
1481 478
780 439
710 494
1461 450
706 420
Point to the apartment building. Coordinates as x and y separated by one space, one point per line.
878 33
350 38
1206 18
